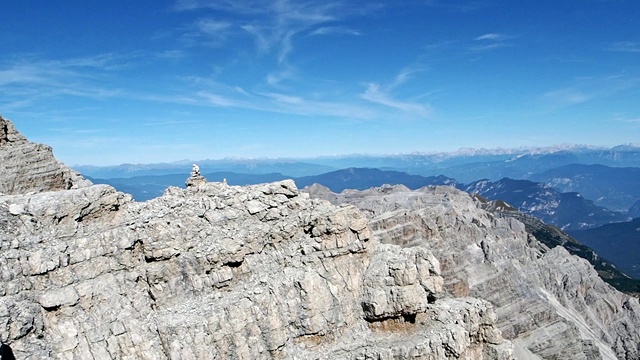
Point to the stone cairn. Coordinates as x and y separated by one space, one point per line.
195 179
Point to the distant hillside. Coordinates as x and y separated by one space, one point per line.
616 188
465 165
618 242
568 211
238 166
634 210
520 167
359 179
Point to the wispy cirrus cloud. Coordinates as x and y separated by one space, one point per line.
625 119
171 54
28 70
406 74
492 37
274 25
219 100
625 46
567 97
591 88
219 95
376 94
335 30
284 103
210 31
28 79
490 41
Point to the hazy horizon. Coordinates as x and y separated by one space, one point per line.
516 151
107 83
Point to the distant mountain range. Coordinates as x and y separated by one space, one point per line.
616 188
364 178
466 165
566 210
635 209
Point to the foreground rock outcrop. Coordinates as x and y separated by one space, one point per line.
214 271
28 167
549 303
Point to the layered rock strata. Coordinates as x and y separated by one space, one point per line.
217 271
549 303
28 167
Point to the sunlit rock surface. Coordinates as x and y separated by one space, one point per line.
216 271
549 303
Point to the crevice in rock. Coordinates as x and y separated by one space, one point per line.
150 259
51 308
6 353
234 264
409 318
431 298
398 323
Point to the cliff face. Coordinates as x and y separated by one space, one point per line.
28 167
549 303
215 271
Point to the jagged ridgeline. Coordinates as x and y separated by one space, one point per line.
267 271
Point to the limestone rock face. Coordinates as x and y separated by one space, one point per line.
216 271
221 272
29 167
549 303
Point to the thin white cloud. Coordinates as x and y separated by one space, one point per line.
375 94
286 72
21 74
207 31
489 41
212 27
406 74
219 95
285 104
218 100
335 30
567 97
171 54
297 105
624 119
25 80
492 37
286 99
274 25
625 46
592 88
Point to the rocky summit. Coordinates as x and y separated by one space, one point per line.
215 271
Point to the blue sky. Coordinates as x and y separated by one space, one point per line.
110 82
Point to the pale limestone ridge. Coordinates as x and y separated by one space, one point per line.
221 272
29 167
549 303
217 271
